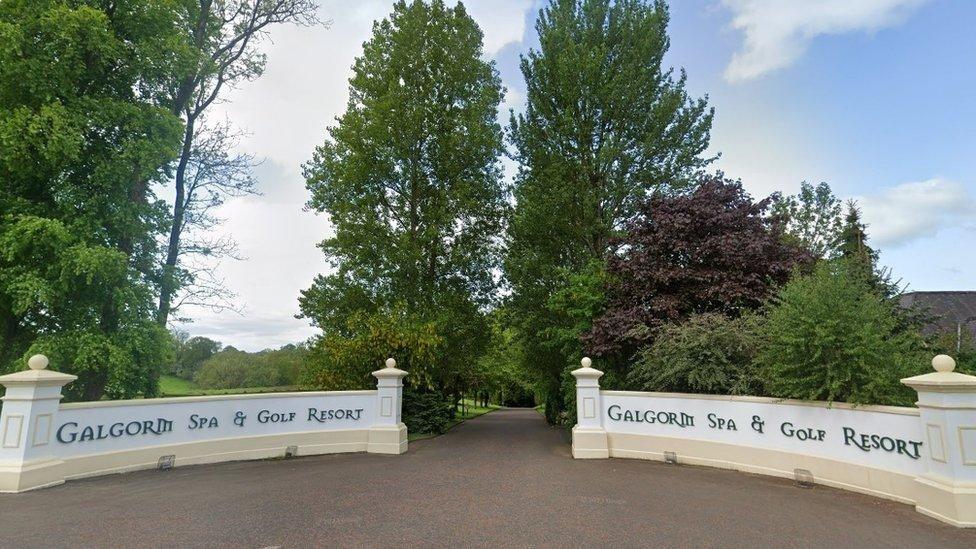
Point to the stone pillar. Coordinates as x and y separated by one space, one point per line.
388 435
589 436
30 406
947 406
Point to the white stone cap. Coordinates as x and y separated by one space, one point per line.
36 374
390 371
943 379
586 372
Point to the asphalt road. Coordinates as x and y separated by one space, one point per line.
504 479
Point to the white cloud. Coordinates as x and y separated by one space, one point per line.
305 85
778 32
277 239
915 210
502 21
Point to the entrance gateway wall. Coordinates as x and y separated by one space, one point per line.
924 456
43 442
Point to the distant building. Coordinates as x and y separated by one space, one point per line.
951 312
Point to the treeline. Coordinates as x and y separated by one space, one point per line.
780 297
613 241
212 366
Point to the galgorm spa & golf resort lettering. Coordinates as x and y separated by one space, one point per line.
866 442
69 432
650 416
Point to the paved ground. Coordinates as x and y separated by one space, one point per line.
504 479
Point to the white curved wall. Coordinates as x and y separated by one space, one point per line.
870 449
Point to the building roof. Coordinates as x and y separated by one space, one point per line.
949 310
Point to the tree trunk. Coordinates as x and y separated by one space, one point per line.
181 107
168 285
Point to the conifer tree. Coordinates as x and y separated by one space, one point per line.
852 242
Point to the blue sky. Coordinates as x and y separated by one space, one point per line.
876 97
870 111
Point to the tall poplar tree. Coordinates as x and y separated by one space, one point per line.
605 127
410 179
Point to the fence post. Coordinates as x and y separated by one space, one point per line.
947 407
30 406
589 436
388 435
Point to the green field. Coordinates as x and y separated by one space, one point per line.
172 386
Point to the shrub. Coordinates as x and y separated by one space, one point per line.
961 346
344 360
709 353
426 412
831 335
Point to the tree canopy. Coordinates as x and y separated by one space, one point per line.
712 250
813 217
831 335
410 179
605 126
82 140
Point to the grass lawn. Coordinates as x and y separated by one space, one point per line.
171 386
470 411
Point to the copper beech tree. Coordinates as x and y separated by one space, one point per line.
711 250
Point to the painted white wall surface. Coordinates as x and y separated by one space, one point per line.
92 428
894 437
43 443
925 455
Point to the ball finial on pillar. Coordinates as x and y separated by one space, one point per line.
37 362
586 362
943 363
390 363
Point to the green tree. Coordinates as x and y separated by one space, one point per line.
344 359
191 353
288 361
605 126
852 241
708 353
410 179
960 344
832 336
234 369
82 141
813 217
500 375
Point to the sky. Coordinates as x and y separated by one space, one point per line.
875 97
